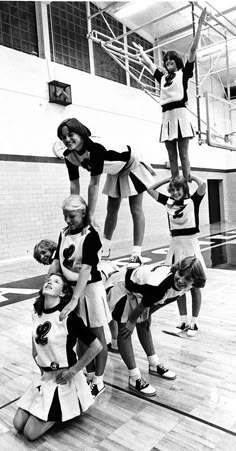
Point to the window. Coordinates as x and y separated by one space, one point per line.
104 65
147 77
68 34
18 26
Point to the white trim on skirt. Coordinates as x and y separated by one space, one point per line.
173 121
184 246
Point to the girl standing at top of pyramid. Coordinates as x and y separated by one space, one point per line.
176 128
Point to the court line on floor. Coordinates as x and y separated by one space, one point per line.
173 409
157 403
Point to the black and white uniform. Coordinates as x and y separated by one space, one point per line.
54 341
74 250
173 97
153 285
127 172
183 219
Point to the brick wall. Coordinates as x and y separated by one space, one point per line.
31 197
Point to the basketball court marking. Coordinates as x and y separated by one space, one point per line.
221 244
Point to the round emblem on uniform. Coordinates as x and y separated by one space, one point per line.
54 365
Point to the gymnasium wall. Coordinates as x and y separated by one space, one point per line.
33 182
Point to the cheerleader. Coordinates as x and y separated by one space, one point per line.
77 257
176 128
44 251
183 219
133 296
61 392
128 175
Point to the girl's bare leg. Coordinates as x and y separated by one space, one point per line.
171 147
183 144
20 419
35 427
136 209
113 206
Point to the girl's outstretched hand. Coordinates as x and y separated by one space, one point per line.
68 308
139 55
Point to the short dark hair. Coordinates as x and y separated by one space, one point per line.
173 55
67 290
74 126
179 182
196 270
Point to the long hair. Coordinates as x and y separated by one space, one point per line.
47 245
173 55
73 126
179 182
196 270
67 291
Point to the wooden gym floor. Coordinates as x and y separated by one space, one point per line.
194 412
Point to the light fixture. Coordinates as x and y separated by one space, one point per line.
59 93
133 8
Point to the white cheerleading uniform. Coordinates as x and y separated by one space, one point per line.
54 342
128 173
183 219
153 285
173 98
73 250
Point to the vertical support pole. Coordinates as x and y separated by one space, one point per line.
227 65
90 42
197 82
42 29
126 59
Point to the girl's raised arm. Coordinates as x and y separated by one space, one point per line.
152 189
144 58
201 185
196 39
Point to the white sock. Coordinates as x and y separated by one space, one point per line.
136 250
90 376
134 374
106 244
153 360
184 319
114 344
194 319
98 380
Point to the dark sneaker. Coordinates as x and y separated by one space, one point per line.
134 262
142 387
96 391
161 370
192 330
182 327
113 350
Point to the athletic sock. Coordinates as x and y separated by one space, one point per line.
134 374
98 380
184 319
114 344
136 250
153 361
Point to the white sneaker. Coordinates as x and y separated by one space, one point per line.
142 387
134 262
192 330
182 327
161 370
